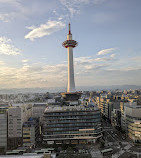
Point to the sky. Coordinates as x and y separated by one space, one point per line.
32 32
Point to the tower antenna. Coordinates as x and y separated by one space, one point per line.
69 26
69 29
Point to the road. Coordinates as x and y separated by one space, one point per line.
111 134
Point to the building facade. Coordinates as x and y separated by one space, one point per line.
31 131
116 118
3 129
38 110
71 124
16 116
132 116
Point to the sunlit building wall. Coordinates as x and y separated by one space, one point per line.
132 113
16 116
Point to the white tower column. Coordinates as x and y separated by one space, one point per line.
71 83
70 44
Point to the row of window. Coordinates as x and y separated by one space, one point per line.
70 132
71 113
70 125
73 121
69 128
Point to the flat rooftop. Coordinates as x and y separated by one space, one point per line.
132 105
70 108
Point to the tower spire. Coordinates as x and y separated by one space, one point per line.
69 29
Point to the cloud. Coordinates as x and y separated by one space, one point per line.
73 6
84 60
33 75
38 75
136 59
96 66
87 70
11 9
10 2
90 59
44 29
5 17
103 59
106 51
2 63
112 55
7 48
131 68
25 60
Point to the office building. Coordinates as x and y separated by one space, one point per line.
38 111
31 132
3 129
132 119
16 116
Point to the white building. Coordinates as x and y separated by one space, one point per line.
16 116
132 117
38 110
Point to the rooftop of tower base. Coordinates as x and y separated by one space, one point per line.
81 107
71 98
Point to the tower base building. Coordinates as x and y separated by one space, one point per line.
71 124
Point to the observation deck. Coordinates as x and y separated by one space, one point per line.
69 43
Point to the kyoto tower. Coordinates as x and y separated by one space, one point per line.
70 44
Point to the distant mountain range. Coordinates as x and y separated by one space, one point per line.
61 89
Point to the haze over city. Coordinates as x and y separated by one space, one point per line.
32 32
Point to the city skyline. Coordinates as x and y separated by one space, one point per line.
108 33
